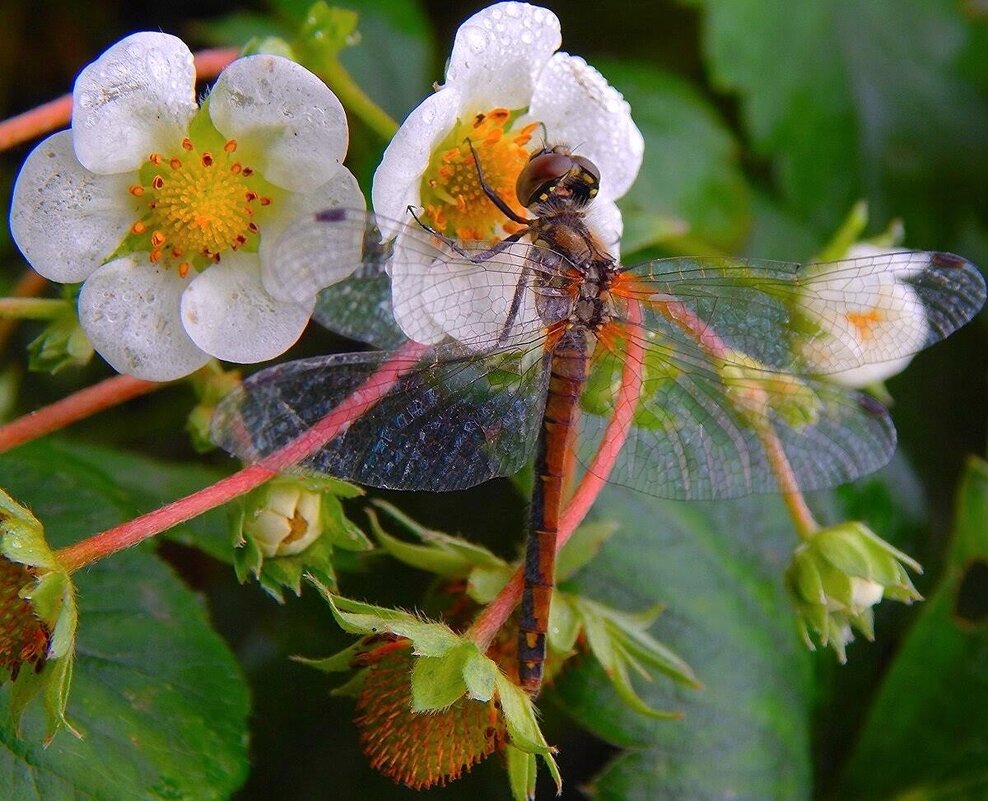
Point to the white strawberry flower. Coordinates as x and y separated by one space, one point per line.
878 332
168 211
506 90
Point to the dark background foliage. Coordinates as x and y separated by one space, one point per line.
764 123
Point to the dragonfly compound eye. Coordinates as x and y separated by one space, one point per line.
557 173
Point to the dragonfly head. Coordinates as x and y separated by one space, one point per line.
555 175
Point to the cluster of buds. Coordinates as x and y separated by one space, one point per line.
838 575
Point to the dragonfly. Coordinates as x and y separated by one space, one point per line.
520 348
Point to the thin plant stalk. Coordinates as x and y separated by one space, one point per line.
141 528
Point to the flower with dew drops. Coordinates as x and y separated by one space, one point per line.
169 211
878 333
509 93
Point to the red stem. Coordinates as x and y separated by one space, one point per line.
57 113
494 615
75 407
141 528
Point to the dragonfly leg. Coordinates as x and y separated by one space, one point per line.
493 196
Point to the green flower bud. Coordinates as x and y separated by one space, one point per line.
836 578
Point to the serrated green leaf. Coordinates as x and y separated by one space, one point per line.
716 567
924 734
486 582
148 673
691 195
811 76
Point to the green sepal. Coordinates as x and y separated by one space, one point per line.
480 675
356 617
437 681
582 547
211 384
340 662
439 553
620 641
63 342
565 623
523 728
278 573
486 582
847 234
52 598
522 772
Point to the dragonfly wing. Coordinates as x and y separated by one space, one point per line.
817 318
449 422
418 286
698 431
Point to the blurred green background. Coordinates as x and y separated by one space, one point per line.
764 123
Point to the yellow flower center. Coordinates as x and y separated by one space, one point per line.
865 323
200 203
454 202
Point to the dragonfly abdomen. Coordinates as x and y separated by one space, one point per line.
568 373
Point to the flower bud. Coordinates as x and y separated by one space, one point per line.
836 578
286 520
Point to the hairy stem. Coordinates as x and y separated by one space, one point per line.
77 406
141 528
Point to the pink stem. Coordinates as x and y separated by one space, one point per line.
134 531
75 407
57 113
494 615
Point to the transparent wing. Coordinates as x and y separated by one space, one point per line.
698 430
414 285
452 421
817 318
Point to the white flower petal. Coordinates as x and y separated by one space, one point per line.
229 315
130 310
301 256
584 112
135 99
475 300
398 179
499 51
415 292
283 116
605 220
65 219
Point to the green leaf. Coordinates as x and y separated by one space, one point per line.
157 696
924 736
690 174
840 96
717 568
